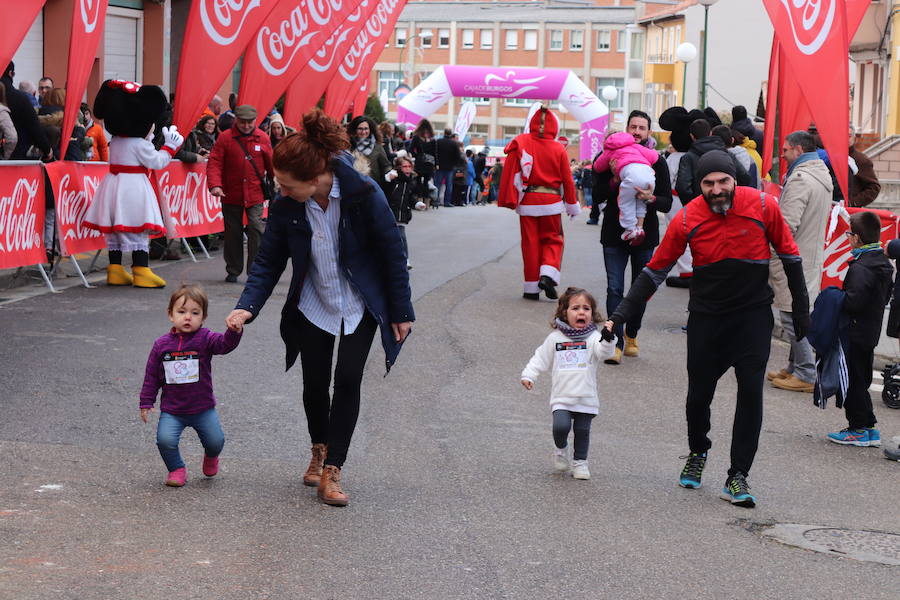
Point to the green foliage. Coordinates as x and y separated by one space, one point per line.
374 110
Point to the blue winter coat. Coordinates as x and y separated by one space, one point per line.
371 258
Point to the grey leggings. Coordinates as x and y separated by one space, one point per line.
563 421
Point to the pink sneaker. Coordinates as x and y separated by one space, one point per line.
177 477
210 465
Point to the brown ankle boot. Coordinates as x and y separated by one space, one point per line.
314 470
330 487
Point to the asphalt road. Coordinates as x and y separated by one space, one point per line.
450 474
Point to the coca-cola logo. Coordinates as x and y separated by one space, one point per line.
223 19
72 203
811 22
190 203
18 221
90 14
351 68
331 51
837 253
276 45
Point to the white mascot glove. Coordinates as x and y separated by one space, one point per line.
172 139
573 210
390 175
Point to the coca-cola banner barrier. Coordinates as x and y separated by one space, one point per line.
21 215
837 247
74 185
216 34
182 188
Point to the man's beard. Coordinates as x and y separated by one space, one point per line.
720 203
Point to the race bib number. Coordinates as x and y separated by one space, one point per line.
571 356
182 367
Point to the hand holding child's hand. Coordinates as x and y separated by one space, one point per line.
235 321
144 413
606 334
527 384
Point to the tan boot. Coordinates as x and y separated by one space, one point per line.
792 383
631 346
773 375
314 470
117 275
145 278
330 487
615 358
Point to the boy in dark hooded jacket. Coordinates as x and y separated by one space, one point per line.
867 286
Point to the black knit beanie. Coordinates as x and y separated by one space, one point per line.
715 161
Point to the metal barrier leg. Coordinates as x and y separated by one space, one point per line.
84 280
203 247
94 261
188 248
47 279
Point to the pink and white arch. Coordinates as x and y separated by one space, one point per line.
511 82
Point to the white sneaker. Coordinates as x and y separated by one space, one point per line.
561 459
580 470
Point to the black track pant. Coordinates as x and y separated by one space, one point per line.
332 419
714 344
858 404
565 421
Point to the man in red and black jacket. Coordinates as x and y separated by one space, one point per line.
729 229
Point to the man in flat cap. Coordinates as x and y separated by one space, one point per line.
238 162
730 324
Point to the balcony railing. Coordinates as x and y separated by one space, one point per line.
660 59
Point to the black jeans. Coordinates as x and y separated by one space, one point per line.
332 420
858 404
716 343
563 421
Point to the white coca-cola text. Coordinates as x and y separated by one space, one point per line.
276 45
71 205
223 20
19 229
811 22
365 42
90 14
190 203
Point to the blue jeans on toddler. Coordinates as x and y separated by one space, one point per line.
168 432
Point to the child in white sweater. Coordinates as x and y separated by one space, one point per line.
572 350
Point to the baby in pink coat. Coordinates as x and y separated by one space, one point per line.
632 165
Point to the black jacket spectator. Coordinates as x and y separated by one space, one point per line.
24 118
448 155
687 185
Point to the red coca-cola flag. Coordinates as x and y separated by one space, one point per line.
309 85
14 26
814 40
74 184
837 249
771 107
88 17
183 190
856 11
359 102
284 44
21 216
794 113
358 63
216 34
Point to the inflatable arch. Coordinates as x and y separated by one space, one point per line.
506 82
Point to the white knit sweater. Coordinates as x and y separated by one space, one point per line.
574 370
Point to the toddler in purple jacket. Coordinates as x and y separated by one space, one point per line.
181 364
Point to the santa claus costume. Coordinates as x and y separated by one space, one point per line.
125 207
537 183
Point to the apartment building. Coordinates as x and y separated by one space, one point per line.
588 38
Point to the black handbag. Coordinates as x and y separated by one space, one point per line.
266 184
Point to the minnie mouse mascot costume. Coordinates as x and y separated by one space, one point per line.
125 207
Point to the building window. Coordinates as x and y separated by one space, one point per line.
511 132
576 40
426 38
518 102
478 130
603 37
531 40
389 80
443 38
401 38
478 101
468 38
556 39
616 82
621 36
512 39
487 39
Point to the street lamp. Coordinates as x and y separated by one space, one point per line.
411 42
706 4
685 52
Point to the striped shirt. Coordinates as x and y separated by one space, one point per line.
328 299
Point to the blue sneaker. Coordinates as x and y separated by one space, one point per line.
851 437
874 437
737 491
693 470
